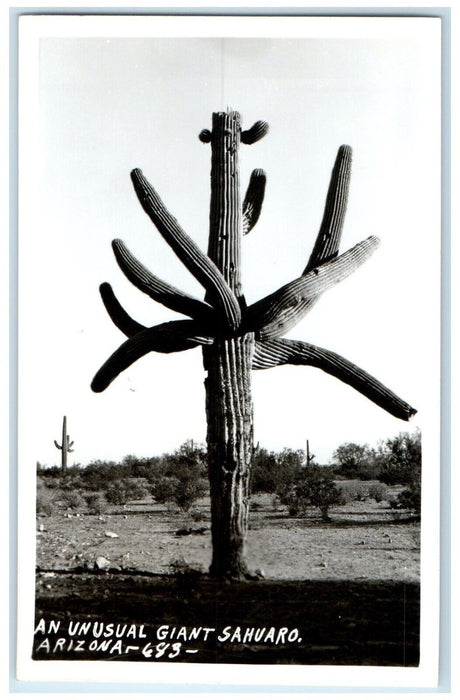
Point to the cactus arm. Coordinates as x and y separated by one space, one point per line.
155 288
255 133
276 313
173 336
119 316
197 262
327 242
58 445
282 351
253 200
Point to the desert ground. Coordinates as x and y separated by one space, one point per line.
350 587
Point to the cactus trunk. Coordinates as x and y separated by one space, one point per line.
228 364
64 445
229 412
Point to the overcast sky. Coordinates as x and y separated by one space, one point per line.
107 105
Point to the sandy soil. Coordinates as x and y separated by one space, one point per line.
362 542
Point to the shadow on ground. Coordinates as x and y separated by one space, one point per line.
337 622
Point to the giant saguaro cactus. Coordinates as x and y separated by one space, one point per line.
65 446
237 338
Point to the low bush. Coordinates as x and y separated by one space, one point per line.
409 499
46 501
123 490
314 487
353 492
73 500
183 491
96 503
378 492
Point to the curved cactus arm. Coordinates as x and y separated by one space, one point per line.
173 336
155 288
58 445
197 262
69 449
328 240
253 200
119 316
71 443
255 133
282 351
271 316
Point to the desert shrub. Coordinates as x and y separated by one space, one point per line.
402 464
98 475
361 492
172 509
49 472
275 472
314 487
355 461
134 490
183 480
70 482
348 492
189 491
96 503
46 501
164 488
73 500
181 492
401 458
115 494
353 491
123 490
378 492
409 499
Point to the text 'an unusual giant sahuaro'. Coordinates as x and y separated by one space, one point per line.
236 338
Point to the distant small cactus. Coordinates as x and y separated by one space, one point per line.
65 446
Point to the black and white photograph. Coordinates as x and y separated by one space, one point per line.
229 310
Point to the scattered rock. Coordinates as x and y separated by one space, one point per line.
102 564
191 531
110 534
41 527
260 573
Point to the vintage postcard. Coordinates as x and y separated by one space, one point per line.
229 311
